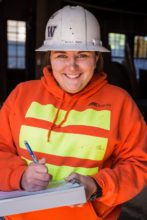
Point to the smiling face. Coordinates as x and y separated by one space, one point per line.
73 69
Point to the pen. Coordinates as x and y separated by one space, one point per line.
30 152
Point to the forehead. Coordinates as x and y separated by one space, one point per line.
71 52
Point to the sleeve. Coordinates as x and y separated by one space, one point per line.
12 165
128 174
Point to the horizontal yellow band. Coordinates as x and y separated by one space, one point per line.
88 117
64 144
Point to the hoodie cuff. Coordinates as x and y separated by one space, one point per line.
15 179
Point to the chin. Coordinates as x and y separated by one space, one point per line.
72 91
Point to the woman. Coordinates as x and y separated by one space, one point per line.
79 126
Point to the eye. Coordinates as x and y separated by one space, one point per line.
82 55
62 56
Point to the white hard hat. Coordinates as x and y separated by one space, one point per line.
72 28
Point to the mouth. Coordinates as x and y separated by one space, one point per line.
72 76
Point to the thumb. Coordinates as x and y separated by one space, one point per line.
42 161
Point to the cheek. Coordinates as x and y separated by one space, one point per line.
57 66
90 66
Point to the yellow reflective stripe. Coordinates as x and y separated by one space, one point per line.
43 112
60 172
88 117
64 144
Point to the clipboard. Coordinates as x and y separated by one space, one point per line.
58 194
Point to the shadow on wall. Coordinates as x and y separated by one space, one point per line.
143 83
120 76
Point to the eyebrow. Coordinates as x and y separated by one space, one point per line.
60 51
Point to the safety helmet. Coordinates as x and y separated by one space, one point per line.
72 28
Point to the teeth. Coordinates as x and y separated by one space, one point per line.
72 76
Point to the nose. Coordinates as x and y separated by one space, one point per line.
72 63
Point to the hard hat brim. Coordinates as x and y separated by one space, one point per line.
45 48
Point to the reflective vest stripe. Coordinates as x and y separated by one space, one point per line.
79 151
88 117
59 161
64 144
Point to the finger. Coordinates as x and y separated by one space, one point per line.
75 181
41 168
41 183
33 188
80 205
43 177
76 205
72 177
42 161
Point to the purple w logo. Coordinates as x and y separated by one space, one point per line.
51 30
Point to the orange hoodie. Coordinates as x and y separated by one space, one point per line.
123 167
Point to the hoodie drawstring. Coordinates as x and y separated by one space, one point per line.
67 113
56 116
65 116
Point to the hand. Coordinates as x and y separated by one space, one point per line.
87 181
36 176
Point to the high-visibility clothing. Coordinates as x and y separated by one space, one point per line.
98 131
